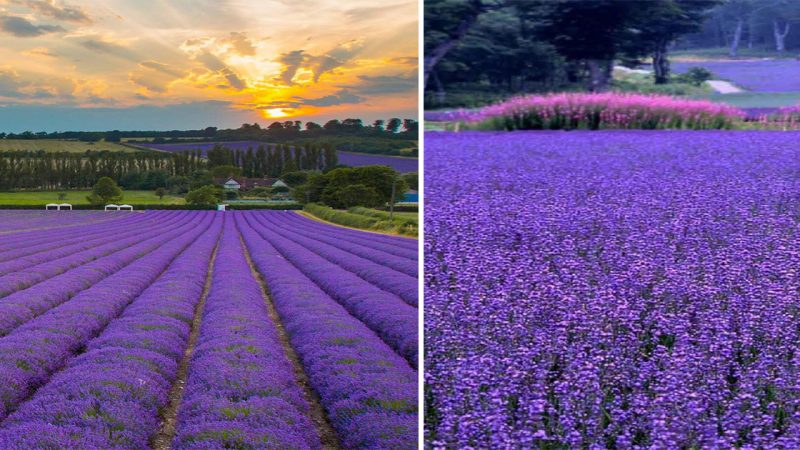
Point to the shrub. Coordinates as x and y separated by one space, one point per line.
105 191
695 76
362 221
571 111
207 195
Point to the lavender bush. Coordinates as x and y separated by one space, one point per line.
368 391
111 395
391 244
392 319
32 352
19 247
623 290
380 275
26 304
241 391
94 329
397 259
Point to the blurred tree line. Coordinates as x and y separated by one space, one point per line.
394 128
490 47
767 25
151 170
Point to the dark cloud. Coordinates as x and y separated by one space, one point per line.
109 48
149 82
406 60
241 44
21 27
387 84
291 63
65 13
217 65
319 64
343 97
161 67
278 105
10 83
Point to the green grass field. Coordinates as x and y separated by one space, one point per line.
79 198
714 53
55 145
756 99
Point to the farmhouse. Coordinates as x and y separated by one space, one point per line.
232 185
246 184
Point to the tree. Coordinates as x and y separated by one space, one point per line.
160 192
326 188
205 196
394 124
177 184
447 22
357 195
657 24
412 180
105 191
199 179
226 171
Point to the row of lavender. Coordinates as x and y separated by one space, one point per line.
620 290
15 221
93 341
613 110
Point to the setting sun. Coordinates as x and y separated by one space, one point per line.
275 113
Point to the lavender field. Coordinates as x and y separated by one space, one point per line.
401 164
200 329
771 75
612 289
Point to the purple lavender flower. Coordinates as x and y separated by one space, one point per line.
612 289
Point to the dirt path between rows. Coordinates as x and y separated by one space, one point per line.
166 432
319 417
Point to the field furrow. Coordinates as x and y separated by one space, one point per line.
111 395
401 264
19 280
407 244
75 251
386 314
311 227
24 305
381 276
30 354
241 391
368 391
57 239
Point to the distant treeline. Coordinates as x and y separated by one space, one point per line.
395 129
64 170
489 49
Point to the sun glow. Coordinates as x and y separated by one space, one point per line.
275 113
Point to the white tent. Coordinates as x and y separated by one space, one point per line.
125 208
112 207
58 206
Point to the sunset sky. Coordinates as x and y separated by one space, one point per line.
145 64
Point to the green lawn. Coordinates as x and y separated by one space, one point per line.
79 198
407 215
56 145
757 99
704 54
